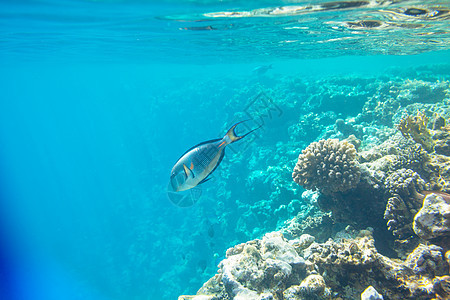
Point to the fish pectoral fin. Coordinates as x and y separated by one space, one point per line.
204 180
188 172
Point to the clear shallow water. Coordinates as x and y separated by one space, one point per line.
205 31
99 99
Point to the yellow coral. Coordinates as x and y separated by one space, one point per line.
415 127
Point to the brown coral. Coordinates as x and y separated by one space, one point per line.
328 166
415 127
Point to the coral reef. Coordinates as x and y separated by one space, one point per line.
392 95
310 125
346 268
395 168
340 94
328 166
392 177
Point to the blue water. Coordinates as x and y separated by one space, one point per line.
100 98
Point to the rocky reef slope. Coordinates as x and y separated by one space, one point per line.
354 174
276 268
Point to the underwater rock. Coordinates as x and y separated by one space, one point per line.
357 252
351 264
305 240
214 286
328 166
275 246
319 225
312 287
441 286
441 137
440 179
313 284
433 219
269 268
427 260
371 294
266 263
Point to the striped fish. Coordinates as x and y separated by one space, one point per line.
196 165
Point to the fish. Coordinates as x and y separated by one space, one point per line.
199 28
261 69
196 165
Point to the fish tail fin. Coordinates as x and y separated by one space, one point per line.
233 137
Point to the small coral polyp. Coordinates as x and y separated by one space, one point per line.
328 166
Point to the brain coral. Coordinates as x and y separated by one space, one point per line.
328 166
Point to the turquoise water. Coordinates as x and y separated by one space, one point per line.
100 98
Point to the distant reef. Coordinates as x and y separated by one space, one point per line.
347 194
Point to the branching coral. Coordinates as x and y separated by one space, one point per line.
415 127
328 166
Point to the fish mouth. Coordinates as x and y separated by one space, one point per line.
174 182
177 181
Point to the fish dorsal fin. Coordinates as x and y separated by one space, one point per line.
188 172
